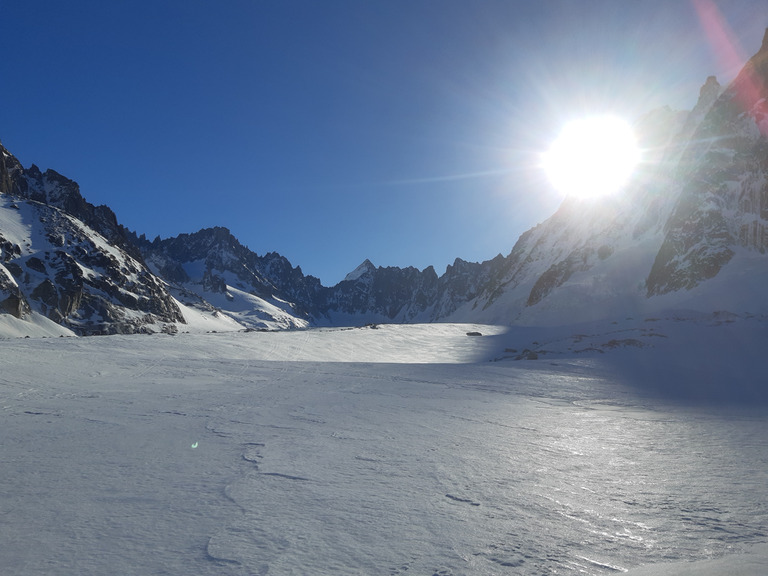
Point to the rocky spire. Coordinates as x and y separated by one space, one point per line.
710 90
11 181
724 167
707 96
750 86
364 268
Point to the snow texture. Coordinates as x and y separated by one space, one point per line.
387 450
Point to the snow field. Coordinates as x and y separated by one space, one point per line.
367 451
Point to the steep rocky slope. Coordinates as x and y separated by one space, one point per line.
54 264
724 200
212 268
690 231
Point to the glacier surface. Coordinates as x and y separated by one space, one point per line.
385 450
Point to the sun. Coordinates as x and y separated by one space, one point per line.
592 157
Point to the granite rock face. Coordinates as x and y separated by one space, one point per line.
211 267
56 264
724 200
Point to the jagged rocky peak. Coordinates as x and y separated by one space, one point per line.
48 187
708 95
201 245
212 262
54 189
458 263
724 195
462 267
219 236
10 173
365 268
709 92
12 300
747 93
70 261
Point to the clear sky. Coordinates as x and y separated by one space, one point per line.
403 131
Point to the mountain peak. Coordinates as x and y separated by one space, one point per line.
708 94
710 87
749 89
366 266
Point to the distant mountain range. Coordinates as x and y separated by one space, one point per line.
690 232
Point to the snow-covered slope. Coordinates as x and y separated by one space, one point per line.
210 269
52 265
210 454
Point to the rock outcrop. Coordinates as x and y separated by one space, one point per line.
56 264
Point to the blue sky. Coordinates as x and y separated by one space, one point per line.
403 131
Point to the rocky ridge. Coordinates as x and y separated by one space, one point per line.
689 232
70 262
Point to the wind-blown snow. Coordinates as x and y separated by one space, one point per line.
387 450
754 562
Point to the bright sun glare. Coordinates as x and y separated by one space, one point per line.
592 157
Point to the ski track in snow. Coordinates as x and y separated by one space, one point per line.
215 455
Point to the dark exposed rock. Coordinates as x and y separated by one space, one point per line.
12 182
46 293
11 299
213 283
724 200
604 252
117 295
14 305
36 264
557 274
8 250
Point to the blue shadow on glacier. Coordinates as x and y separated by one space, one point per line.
699 369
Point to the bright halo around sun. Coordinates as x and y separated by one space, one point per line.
592 157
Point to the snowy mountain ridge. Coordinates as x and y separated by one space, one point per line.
689 232
54 266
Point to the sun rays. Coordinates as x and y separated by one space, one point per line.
592 157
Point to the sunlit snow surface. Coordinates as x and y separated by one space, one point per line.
397 450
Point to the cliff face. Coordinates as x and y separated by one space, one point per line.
724 200
211 268
54 263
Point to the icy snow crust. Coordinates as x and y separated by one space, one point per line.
332 451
